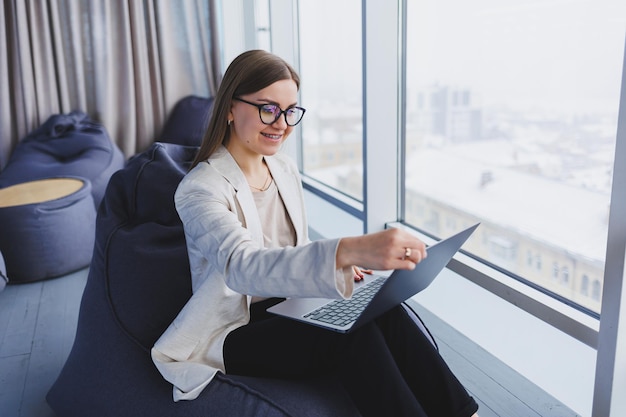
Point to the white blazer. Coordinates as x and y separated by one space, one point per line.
229 265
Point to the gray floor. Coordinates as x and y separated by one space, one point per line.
499 390
37 327
38 322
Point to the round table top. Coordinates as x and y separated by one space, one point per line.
38 191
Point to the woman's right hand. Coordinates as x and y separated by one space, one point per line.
389 249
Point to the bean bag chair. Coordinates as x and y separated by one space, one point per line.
65 145
138 281
47 227
188 121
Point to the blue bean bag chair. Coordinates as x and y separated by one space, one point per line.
65 145
46 231
188 121
138 281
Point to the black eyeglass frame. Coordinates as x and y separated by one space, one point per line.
281 113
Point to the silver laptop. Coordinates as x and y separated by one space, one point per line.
375 294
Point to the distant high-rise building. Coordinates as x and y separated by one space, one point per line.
445 111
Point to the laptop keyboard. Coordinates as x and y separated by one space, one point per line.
343 312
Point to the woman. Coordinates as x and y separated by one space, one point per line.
243 213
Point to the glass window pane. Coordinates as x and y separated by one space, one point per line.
511 120
331 68
262 19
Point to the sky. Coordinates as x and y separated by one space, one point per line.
560 54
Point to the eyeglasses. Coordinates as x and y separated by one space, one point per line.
269 113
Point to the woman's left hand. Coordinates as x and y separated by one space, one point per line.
359 273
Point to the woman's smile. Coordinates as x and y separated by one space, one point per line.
273 137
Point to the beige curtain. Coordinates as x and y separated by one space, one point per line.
124 62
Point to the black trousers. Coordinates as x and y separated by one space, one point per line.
389 367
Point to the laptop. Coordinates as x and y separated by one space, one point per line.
374 295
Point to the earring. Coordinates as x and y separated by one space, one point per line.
229 122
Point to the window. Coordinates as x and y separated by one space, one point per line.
511 120
565 276
331 69
500 84
596 291
555 271
262 20
584 286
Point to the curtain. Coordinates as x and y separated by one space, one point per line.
124 62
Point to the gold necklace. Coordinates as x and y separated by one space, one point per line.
265 185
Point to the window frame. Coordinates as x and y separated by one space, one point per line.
610 384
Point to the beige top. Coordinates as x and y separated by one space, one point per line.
278 230
38 191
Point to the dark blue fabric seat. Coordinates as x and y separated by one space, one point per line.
65 145
54 238
46 230
138 281
188 121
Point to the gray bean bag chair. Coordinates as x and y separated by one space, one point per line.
65 145
138 281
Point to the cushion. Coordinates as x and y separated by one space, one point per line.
65 145
49 236
188 121
148 278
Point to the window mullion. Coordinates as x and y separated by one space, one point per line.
610 383
381 109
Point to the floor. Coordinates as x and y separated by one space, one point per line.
37 328
499 389
38 323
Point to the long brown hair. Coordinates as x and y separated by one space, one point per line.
248 73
